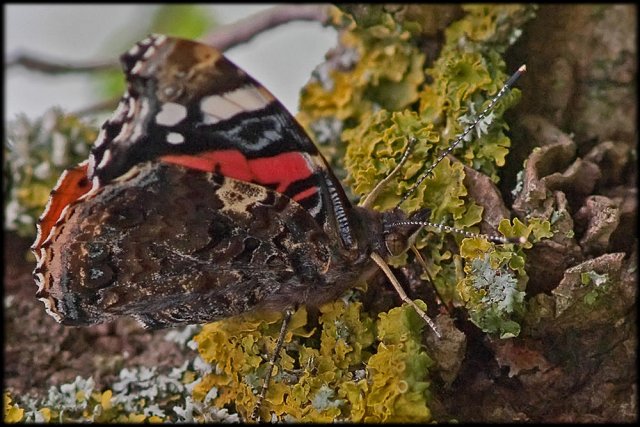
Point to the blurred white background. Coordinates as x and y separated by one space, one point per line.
281 59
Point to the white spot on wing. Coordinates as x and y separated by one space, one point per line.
159 39
124 131
171 114
132 106
227 105
144 108
144 111
137 132
315 210
40 281
101 139
106 158
149 52
51 309
121 111
248 97
136 68
175 138
219 108
134 50
92 165
209 120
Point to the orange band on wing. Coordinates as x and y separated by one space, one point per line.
72 185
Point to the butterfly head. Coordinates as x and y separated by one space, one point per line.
400 231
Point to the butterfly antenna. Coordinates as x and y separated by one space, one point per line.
448 229
464 134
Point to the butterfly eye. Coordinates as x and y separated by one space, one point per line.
396 243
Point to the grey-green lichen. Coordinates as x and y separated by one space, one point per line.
138 395
493 287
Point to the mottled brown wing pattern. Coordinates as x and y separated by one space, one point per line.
171 245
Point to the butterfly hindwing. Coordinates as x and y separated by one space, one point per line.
211 247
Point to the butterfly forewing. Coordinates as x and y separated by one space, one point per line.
188 104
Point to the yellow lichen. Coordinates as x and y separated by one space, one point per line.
329 374
12 413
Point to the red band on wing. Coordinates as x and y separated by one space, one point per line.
72 185
305 193
281 169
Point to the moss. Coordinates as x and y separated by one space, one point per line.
345 367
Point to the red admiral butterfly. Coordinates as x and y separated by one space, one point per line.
202 199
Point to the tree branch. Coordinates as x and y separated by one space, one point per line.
51 66
228 36
222 38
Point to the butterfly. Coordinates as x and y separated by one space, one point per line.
202 199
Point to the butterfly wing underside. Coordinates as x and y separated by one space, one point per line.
169 260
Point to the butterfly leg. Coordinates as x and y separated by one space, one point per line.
423 264
283 330
403 296
371 197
